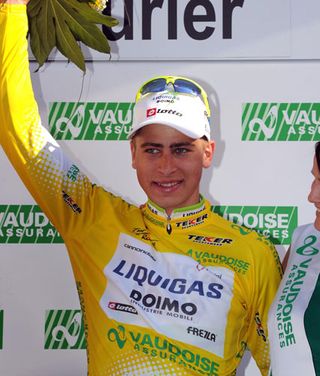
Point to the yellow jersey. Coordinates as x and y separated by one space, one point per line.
184 295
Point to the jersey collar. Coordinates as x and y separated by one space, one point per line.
180 219
176 213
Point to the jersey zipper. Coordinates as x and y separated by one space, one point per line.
169 227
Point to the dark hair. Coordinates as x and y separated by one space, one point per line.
317 154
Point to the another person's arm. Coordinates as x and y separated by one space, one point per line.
285 260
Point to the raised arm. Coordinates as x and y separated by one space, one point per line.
55 182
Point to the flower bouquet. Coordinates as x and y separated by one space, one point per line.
65 23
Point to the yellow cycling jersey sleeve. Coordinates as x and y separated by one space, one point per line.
188 301
54 181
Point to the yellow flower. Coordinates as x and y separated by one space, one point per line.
98 5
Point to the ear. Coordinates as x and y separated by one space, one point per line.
133 153
208 153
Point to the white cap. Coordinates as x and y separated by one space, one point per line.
184 112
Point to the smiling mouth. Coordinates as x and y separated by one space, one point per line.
168 185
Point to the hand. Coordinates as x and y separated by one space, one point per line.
14 1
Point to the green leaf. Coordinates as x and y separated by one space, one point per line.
92 15
66 42
46 24
85 31
35 43
62 23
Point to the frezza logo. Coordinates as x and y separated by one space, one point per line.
201 333
274 222
90 120
64 330
281 122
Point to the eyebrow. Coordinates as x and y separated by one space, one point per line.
175 145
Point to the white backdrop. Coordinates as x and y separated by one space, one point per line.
36 281
35 278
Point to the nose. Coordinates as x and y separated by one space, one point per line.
166 164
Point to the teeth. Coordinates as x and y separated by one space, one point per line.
167 185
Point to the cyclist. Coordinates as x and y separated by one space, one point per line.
168 288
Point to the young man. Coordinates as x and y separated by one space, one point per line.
169 288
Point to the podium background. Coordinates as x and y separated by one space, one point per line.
36 279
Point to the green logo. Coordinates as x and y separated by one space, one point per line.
307 249
290 292
26 224
64 329
90 121
274 222
281 122
1 329
118 335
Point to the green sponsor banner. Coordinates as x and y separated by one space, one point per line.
275 222
90 121
64 330
281 122
26 224
1 329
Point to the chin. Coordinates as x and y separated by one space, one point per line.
317 225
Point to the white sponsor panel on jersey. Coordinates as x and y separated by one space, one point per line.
180 310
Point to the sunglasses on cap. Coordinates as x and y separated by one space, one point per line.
179 85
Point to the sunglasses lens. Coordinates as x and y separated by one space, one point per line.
154 86
183 86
